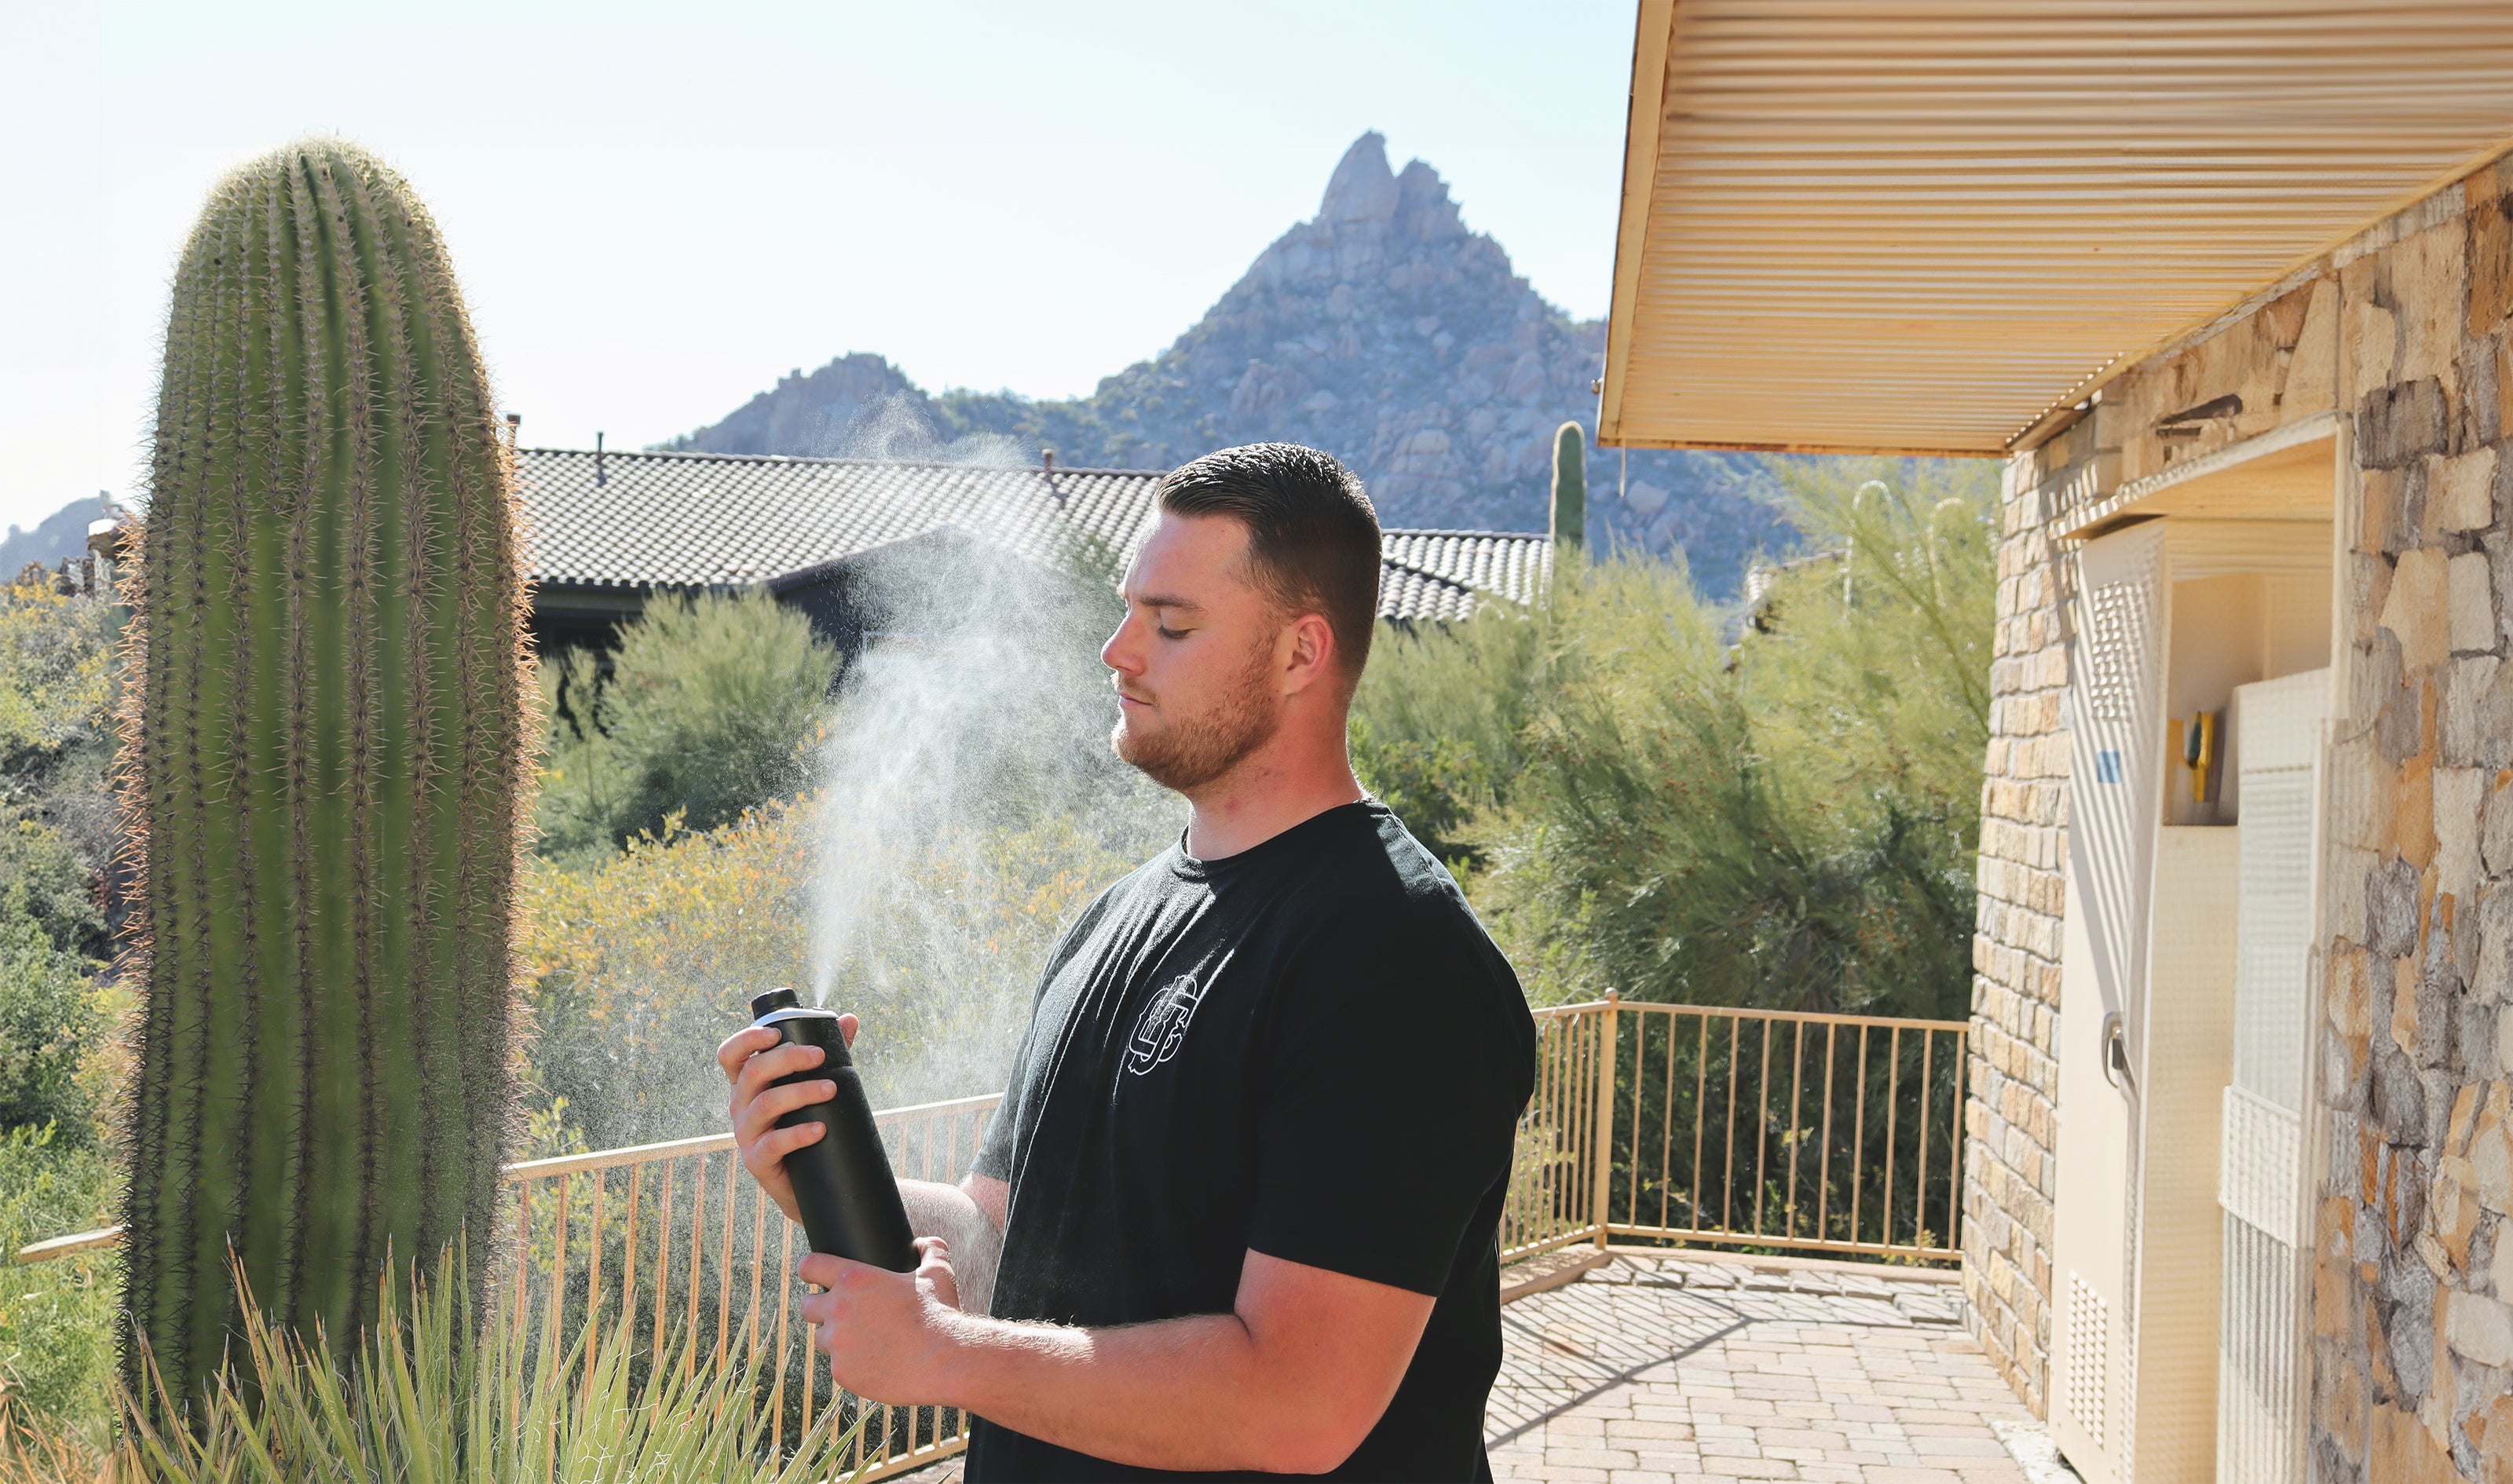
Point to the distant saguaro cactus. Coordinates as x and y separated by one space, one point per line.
1569 486
326 759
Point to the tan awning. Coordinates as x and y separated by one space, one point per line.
1859 226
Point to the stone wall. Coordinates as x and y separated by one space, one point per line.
2412 1267
2009 1176
2403 331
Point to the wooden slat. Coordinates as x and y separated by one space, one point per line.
63 1246
1921 228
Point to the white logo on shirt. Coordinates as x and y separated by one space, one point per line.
1164 1024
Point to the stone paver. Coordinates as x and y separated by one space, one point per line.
1649 1370
1656 1369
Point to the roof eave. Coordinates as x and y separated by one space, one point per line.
1652 29
1882 451
1657 140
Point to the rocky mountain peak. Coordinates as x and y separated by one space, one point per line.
1381 330
1423 210
1364 197
822 412
1362 189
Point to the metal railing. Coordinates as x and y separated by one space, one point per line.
675 1236
717 1263
1553 1192
1785 1131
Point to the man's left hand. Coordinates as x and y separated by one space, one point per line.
889 1334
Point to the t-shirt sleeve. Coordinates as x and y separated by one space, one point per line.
1402 1057
994 1158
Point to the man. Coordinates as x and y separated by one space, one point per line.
1237 1211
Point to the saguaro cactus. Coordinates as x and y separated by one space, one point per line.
1569 486
326 761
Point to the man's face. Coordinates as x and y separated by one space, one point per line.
1195 659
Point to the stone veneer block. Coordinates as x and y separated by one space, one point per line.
2460 490
2472 603
2417 610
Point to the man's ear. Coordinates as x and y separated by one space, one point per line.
1311 652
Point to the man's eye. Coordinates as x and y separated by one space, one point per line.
1167 632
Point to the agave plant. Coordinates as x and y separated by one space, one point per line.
36 1450
419 1400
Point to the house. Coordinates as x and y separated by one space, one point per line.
844 540
2227 290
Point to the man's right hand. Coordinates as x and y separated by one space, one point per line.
751 1059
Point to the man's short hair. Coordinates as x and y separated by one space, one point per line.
1312 537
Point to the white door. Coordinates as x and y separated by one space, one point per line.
2115 794
2279 729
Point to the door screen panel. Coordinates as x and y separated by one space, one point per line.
2280 725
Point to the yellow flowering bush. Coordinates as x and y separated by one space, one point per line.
640 966
56 667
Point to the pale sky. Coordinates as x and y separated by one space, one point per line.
657 210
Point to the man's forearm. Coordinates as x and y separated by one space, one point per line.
1181 1394
948 1213
1184 1394
1291 1381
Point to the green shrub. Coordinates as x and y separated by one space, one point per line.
703 710
1872 671
57 1054
50 1021
57 745
55 673
1784 821
55 1317
53 883
1438 722
1635 784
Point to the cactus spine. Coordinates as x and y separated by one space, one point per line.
325 761
1569 486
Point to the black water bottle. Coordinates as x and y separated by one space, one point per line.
842 1180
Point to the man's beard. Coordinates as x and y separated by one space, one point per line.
1188 756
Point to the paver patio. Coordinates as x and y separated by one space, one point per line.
1712 1368
1705 1368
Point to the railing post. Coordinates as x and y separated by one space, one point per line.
1603 1122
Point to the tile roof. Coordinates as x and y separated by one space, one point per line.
1438 574
641 520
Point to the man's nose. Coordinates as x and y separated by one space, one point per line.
1118 653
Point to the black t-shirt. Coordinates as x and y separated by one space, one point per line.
1310 1048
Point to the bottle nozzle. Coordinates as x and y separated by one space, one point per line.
772 1000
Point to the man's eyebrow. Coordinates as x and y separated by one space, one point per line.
1166 600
